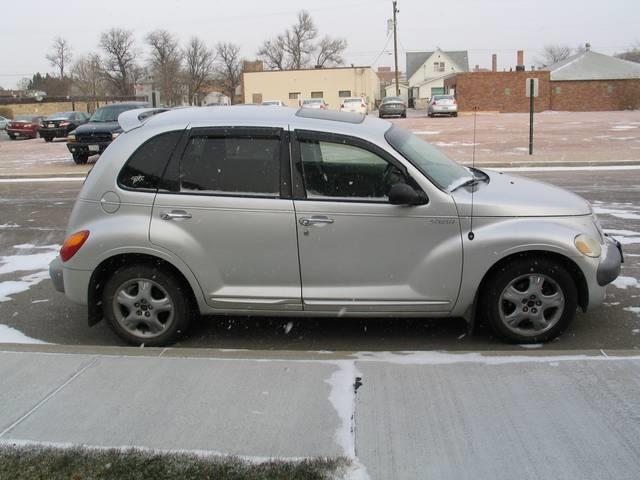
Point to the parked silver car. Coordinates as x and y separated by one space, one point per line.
317 213
442 105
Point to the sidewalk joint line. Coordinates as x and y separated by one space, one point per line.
603 353
46 399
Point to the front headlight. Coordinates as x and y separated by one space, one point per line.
588 246
115 135
71 138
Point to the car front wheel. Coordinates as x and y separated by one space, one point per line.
80 159
146 305
530 300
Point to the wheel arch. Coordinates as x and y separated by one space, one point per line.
574 270
102 272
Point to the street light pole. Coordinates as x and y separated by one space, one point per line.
395 45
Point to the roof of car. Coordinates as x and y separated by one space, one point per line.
256 115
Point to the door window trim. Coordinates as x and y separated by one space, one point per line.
170 183
298 183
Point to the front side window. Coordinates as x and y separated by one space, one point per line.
341 171
233 165
143 171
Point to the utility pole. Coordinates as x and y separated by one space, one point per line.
395 44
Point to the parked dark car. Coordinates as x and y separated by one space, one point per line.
392 106
26 126
60 124
94 137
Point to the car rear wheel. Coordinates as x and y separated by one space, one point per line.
530 300
48 139
146 305
80 159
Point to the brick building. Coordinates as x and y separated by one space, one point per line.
588 81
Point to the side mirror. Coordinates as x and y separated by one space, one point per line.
403 194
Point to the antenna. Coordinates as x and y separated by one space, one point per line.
473 166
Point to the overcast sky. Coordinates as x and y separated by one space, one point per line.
482 27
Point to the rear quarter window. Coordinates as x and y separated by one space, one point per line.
144 169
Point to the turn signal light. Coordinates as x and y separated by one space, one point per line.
72 244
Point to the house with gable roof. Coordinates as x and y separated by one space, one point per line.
427 71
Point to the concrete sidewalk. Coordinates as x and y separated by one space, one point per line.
405 415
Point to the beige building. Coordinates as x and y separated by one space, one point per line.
293 86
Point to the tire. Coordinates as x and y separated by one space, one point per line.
455 114
80 159
404 115
11 137
129 298
48 139
380 115
530 300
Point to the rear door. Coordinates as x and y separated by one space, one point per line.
228 214
359 253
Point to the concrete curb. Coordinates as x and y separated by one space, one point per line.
292 355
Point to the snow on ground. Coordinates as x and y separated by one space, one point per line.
626 282
426 132
38 263
619 213
11 335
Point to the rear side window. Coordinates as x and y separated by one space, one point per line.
234 165
144 169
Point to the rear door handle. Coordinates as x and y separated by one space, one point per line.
175 214
305 222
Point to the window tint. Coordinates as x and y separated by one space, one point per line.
144 169
231 165
341 171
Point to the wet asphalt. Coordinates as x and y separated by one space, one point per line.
34 215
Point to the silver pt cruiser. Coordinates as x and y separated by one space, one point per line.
314 213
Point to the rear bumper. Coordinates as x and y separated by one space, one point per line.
55 272
73 283
443 110
392 111
18 132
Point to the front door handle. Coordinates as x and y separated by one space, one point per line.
305 222
175 214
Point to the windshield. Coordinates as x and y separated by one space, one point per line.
66 115
110 113
443 171
24 118
315 100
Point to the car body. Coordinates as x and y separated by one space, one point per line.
93 137
314 103
354 105
442 105
3 123
60 124
273 103
24 126
392 106
286 212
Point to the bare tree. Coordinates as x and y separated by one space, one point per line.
273 53
632 54
166 62
199 60
60 55
228 67
298 40
330 51
119 64
24 84
87 75
553 54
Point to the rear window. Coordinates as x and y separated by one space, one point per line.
143 171
66 115
24 118
307 102
443 97
353 100
242 165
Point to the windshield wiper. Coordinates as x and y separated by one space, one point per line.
467 183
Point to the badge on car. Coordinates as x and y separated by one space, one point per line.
94 148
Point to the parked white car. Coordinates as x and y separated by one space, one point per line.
355 105
3 123
314 103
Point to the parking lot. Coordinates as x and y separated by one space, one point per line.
500 139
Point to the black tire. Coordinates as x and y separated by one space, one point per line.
177 319
555 277
80 159
48 139
404 115
11 137
455 114
380 115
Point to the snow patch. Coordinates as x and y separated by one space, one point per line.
11 335
635 310
625 214
625 282
37 262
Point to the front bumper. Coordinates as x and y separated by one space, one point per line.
55 272
87 148
611 261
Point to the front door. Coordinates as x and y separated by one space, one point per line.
359 253
227 214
